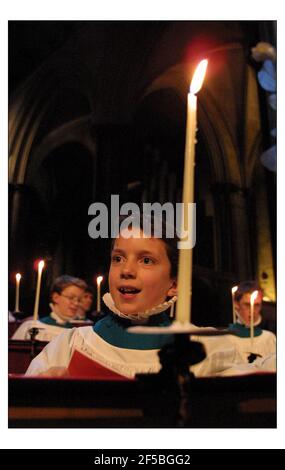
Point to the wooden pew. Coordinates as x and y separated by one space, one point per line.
20 354
224 402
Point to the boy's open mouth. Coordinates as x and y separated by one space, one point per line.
128 290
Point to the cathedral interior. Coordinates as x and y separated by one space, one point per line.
99 108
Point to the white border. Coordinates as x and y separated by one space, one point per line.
135 438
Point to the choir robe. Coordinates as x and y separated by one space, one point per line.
249 355
48 328
109 344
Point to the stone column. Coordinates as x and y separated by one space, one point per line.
265 265
241 237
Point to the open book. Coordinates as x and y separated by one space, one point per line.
82 366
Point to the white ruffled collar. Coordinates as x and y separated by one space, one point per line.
140 316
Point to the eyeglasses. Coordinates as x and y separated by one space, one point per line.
72 298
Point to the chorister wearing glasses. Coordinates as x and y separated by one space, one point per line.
72 298
65 297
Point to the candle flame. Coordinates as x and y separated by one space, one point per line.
99 280
41 265
18 277
234 289
253 297
198 77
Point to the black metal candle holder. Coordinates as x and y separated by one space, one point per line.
33 333
176 359
169 391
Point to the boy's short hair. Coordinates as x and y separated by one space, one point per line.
171 242
246 287
61 282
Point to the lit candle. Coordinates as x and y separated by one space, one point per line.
37 299
18 279
234 289
99 280
184 287
252 299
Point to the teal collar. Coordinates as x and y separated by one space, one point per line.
243 331
113 329
51 321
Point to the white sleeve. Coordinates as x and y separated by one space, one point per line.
270 343
267 364
45 332
23 331
220 355
55 354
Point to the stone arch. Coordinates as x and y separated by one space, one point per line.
65 177
76 132
225 163
32 104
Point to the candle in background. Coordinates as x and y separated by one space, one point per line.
99 280
18 279
37 298
234 289
184 287
252 299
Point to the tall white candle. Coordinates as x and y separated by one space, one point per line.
17 296
252 299
99 280
184 288
37 298
234 289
